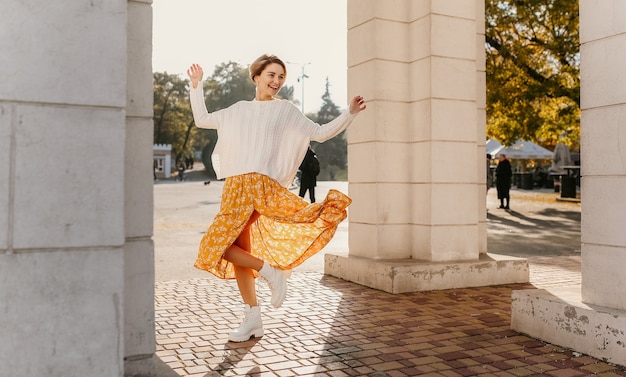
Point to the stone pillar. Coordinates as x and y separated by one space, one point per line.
139 336
416 156
75 219
481 125
603 103
592 318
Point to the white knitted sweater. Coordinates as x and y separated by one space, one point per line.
266 137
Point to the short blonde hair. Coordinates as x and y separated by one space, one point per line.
263 61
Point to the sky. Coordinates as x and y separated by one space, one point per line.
307 33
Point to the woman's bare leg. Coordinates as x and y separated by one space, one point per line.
244 262
245 283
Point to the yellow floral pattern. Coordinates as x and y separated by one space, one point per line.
288 231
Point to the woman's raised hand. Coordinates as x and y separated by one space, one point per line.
195 74
357 104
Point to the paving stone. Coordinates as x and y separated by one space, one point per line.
331 327
349 330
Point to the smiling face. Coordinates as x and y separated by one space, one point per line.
269 81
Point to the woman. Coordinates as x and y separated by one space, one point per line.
262 229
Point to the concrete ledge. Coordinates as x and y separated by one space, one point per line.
141 366
410 275
560 317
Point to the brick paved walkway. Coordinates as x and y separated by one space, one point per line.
330 327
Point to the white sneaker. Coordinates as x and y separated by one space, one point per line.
252 325
276 279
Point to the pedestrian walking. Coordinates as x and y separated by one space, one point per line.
489 176
181 171
309 168
263 229
503 181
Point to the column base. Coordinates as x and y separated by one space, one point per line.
560 317
410 275
141 366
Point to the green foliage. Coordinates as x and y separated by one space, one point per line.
228 84
333 153
533 67
172 113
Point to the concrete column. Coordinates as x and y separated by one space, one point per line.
481 124
139 336
62 225
603 101
592 318
416 156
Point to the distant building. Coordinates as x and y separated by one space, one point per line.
162 160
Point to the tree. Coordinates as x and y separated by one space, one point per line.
533 86
333 153
172 113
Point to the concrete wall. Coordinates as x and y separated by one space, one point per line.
481 124
591 318
413 166
139 336
603 151
75 233
417 156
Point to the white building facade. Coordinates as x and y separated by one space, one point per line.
162 161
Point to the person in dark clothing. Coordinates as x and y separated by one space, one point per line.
503 181
310 168
188 163
489 176
539 176
181 171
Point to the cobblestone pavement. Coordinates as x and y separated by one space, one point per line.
330 327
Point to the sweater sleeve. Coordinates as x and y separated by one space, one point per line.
321 133
201 116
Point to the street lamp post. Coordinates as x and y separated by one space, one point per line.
302 77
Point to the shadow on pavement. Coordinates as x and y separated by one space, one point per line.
544 232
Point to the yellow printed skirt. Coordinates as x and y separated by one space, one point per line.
288 231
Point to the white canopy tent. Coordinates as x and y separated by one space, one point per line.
492 146
521 150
